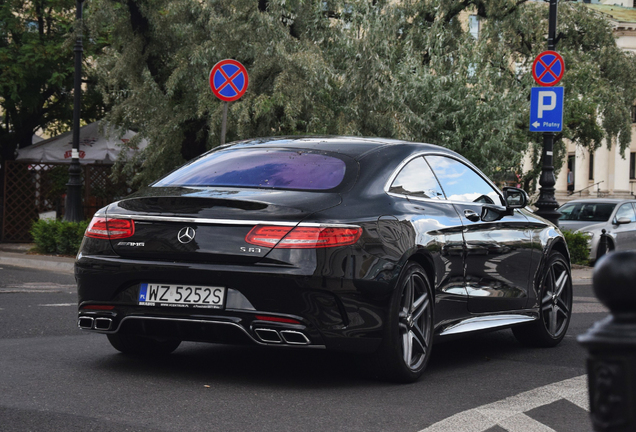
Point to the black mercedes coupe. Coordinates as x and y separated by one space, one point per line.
365 245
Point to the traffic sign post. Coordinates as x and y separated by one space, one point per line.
228 81
546 109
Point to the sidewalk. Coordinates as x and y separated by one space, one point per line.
16 254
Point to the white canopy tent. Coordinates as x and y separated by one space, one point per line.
95 147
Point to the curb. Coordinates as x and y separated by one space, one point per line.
44 262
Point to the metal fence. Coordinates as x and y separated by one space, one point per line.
31 189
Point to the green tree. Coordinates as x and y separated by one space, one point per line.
36 71
407 69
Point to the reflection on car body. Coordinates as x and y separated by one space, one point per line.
354 244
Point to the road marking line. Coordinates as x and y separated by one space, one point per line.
523 423
59 304
589 308
508 413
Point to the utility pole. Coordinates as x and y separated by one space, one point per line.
547 203
73 205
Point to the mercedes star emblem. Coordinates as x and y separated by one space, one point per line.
186 235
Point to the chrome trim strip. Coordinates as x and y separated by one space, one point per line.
202 322
227 221
487 322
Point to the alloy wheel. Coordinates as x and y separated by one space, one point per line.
557 299
415 321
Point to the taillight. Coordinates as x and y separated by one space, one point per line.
302 237
106 228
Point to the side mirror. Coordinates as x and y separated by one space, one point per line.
623 221
515 197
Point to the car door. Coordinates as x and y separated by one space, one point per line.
437 228
625 233
498 249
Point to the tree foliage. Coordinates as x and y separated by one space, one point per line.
407 69
36 71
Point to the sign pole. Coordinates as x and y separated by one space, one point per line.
224 123
547 203
228 81
73 211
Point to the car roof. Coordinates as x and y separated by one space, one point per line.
355 147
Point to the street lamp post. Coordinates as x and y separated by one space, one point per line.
547 203
73 205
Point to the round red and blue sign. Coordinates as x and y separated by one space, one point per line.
228 80
548 68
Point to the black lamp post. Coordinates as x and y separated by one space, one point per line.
73 205
547 204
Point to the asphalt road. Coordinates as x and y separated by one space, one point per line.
55 377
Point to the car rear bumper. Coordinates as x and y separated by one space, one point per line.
330 311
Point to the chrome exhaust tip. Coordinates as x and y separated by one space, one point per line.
85 323
268 335
292 337
103 323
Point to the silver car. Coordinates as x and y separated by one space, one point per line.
616 216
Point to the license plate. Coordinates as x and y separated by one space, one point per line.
154 294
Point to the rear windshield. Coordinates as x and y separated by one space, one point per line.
593 212
260 168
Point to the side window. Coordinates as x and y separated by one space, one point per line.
417 179
626 210
460 183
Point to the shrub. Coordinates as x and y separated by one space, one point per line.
578 246
58 237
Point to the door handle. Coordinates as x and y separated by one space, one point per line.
471 216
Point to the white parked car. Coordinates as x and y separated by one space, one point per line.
616 216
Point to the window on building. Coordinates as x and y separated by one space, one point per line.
591 174
633 114
570 175
632 165
473 25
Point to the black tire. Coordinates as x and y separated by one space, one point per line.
139 345
407 342
555 307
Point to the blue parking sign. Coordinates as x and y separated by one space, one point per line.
546 109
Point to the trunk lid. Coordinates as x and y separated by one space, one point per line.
208 224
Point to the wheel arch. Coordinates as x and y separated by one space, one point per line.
559 245
426 262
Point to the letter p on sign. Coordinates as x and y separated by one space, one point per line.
543 95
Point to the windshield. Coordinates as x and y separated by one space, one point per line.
592 212
260 168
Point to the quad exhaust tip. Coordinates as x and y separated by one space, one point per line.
290 337
85 323
90 323
294 337
268 335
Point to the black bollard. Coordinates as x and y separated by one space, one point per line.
611 344
602 244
